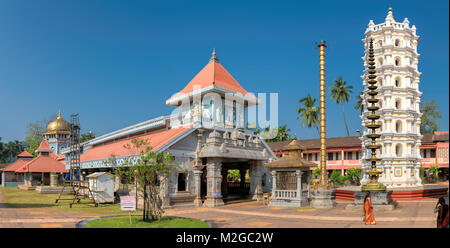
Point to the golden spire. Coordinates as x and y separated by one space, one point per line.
374 174
214 57
59 115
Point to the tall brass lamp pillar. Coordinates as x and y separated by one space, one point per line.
324 196
374 174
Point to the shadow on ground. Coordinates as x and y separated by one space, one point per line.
25 205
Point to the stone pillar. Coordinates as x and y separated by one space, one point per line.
164 190
213 194
298 174
255 181
198 184
28 178
274 182
53 179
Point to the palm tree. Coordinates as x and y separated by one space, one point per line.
340 93
283 133
309 113
358 104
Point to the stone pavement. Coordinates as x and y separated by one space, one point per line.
249 214
37 218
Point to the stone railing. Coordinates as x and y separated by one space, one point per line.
285 194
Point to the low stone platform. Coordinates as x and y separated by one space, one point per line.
53 190
381 200
402 194
25 187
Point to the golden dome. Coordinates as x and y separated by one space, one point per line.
58 126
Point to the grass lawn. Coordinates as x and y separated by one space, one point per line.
18 198
166 222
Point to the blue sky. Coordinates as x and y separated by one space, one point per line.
123 59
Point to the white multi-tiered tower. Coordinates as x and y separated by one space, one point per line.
396 61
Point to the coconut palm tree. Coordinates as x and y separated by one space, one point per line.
309 113
340 93
358 104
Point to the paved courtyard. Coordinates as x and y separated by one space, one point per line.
247 214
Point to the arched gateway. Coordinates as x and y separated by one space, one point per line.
206 135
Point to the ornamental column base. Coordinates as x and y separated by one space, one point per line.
325 198
213 202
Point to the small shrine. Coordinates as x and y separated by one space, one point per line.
291 177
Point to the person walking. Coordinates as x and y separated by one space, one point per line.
369 218
442 216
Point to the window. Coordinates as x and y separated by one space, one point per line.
286 180
316 156
397 42
398 127
357 155
380 43
398 150
397 82
380 62
397 61
398 104
330 156
432 153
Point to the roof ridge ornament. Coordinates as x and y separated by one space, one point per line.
390 17
214 56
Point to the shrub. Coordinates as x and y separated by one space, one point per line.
336 178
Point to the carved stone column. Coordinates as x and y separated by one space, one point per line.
274 183
53 179
164 190
255 181
214 194
197 185
298 174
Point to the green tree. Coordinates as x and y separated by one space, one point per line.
358 106
234 175
149 170
340 93
354 174
10 150
433 173
35 133
316 172
87 136
336 178
275 134
308 112
430 112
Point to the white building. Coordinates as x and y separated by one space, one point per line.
396 57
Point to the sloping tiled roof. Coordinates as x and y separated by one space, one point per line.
213 74
25 154
44 146
351 141
440 136
14 166
42 164
430 138
156 140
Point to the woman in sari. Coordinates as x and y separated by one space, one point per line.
369 218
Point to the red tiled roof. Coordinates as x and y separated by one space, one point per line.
156 140
213 74
16 165
25 154
61 157
44 146
440 136
42 164
351 141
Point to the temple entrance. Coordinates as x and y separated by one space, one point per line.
235 181
203 185
46 178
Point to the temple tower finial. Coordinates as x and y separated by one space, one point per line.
214 57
